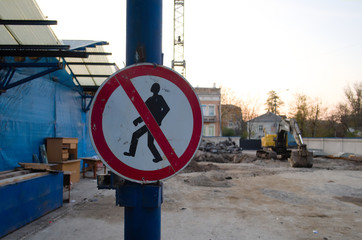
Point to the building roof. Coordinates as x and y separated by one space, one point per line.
208 94
15 33
207 91
267 117
25 31
93 70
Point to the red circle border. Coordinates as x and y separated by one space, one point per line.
96 130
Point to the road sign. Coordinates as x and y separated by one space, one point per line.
145 123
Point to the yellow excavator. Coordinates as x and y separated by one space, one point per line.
277 144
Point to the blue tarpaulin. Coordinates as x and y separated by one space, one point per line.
48 106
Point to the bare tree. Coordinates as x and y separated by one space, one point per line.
308 113
249 108
348 114
300 111
354 104
317 112
230 112
342 116
228 96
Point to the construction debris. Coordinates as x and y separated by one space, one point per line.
199 167
222 152
227 146
347 156
343 155
37 166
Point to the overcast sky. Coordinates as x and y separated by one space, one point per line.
312 47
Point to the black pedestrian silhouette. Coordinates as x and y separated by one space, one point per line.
159 109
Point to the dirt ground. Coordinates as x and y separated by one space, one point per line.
250 199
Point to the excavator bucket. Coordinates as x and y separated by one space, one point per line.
301 158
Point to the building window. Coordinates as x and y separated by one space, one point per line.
204 109
209 130
211 110
212 130
261 128
208 110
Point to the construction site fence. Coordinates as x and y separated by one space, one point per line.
335 145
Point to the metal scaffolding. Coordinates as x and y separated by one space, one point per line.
178 62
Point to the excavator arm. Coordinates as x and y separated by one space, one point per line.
300 157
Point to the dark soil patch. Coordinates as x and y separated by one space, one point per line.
197 167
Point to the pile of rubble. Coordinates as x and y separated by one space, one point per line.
227 146
223 152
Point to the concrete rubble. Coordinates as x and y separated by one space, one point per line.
227 146
226 151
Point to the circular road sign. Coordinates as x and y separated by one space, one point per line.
145 123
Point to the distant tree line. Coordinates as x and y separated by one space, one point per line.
313 117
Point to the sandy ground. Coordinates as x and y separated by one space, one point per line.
254 199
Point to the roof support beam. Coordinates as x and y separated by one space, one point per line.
33 47
28 22
43 53
25 65
27 79
87 102
7 78
99 53
92 63
49 53
90 88
91 75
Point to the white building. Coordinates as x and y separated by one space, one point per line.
264 124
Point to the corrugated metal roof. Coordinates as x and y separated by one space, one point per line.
89 46
21 34
44 35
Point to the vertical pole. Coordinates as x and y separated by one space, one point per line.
142 210
144 31
142 202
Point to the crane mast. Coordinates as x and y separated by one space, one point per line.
178 62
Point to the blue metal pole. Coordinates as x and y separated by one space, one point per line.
144 31
142 202
142 209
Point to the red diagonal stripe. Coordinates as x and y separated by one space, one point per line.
149 120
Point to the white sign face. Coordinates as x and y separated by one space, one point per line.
146 123
120 113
